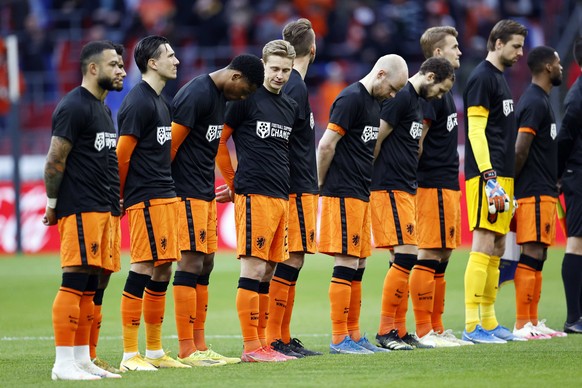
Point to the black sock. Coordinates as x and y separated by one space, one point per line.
572 278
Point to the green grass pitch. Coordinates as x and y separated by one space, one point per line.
29 284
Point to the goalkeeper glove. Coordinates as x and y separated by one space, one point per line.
498 200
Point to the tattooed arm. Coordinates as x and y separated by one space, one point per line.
54 170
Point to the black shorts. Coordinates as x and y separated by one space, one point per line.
572 188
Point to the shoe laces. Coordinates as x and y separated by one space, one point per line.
296 342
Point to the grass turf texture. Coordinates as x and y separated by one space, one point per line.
28 286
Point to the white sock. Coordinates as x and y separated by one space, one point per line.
127 356
82 354
65 356
155 353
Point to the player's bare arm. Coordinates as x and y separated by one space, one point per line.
325 153
425 128
522 146
384 131
54 170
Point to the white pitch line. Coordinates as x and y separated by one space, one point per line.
112 338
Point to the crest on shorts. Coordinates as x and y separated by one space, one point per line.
263 129
553 131
507 107
94 248
99 141
202 235
163 243
311 235
260 242
410 229
356 239
452 232
547 228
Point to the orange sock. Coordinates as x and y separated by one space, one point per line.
395 290
131 309
537 294
286 324
86 308
154 307
263 312
96 325
340 290
279 293
247 306
95 329
422 286
524 279
201 310
66 312
438 309
185 311
400 318
355 306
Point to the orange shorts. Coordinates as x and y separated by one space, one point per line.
345 227
153 231
85 239
261 226
197 225
535 218
393 218
115 241
438 218
302 222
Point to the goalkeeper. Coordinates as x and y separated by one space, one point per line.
489 169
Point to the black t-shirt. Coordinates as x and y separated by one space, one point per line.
350 171
146 116
395 165
303 165
200 106
569 139
261 127
84 121
487 87
113 169
438 166
540 171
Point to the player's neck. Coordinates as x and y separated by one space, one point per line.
301 64
494 59
155 82
544 83
416 81
94 89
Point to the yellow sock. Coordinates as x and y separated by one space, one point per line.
488 318
475 278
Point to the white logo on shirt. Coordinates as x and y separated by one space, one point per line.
100 141
311 121
507 107
452 121
370 133
105 140
266 129
416 130
553 131
214 132
164 134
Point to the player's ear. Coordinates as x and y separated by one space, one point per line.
236 76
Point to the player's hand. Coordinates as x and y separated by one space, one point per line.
497 198
515 206
224 194
50 217
121 208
